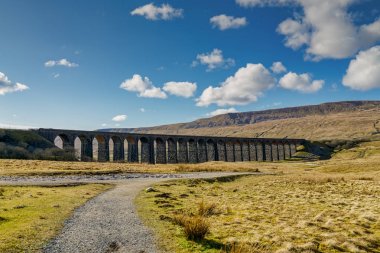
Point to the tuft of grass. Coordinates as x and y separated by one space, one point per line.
298 211
194 227
207 209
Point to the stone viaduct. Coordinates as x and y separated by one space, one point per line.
156 148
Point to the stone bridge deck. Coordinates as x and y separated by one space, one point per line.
156 148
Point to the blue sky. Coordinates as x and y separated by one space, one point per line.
98 64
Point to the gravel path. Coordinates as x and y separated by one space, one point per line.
108 222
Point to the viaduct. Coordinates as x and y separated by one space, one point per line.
156 148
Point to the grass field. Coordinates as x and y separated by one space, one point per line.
36 167
318 206
328 206
30 216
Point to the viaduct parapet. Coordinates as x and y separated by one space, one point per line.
156 148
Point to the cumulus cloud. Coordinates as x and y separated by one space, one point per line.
143 86
163 12
142 109
6 86
62 62
278 67
222 111
363 72
181 89
224 22
244 87
302 83
325 28
120 118
213 60
297 33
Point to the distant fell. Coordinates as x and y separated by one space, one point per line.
336 120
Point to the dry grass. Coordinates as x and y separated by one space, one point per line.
30 216
347 125
327 206
35 167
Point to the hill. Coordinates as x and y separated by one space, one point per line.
337 120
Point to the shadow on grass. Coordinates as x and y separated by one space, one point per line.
211 244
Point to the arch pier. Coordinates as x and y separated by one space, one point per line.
155 148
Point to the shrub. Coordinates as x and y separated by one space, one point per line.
195 227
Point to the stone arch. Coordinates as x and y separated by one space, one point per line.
274 151
268 151
230 154
193 153
221 147
130 149
260 152
62 141
100 151
252 151
202 151
83 148
116 149
172 150
144 150
245 151
238 151
293 149
211 150
287 151
281 151
182 151
160 150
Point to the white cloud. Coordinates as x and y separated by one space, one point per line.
12 126
254 3
62 62
104 124
153 92
120 118
278 67
144 87
224 22
214 60
181 89
297 33
363 72
327 30
244 87
222 111
152 12
56 75
142 109
6 86
302 83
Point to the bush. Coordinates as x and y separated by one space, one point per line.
13 152
195 227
